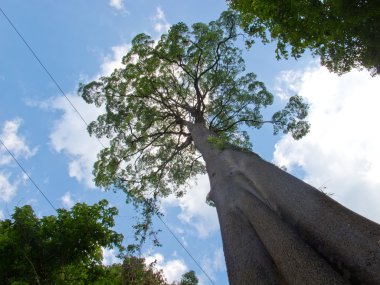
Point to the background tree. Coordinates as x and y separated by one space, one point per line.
344 33
67 249
135 271
187 97
62 249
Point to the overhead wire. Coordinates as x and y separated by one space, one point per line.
42 65
84 121
188 252
27 174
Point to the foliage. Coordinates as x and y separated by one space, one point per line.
345 33
189 278
136 272
286 121
111 275
217 142
190 76
62 249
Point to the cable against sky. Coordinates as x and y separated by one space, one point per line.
26 173
84 121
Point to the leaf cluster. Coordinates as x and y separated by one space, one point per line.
344 33
292 118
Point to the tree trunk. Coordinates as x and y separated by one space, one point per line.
276 229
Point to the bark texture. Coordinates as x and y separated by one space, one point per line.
276 229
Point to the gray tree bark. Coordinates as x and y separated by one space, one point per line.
276 229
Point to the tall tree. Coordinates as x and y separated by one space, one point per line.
181 106
344 33
62 249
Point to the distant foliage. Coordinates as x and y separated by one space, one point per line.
345 33
189 278
136 272
66 250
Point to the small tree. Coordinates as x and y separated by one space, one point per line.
344 33
189 278
136 272
181 107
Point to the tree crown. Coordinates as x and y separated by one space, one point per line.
189 76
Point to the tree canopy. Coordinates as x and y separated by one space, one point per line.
189 76
62 249
344 33
67 249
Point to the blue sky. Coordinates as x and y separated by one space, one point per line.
81 40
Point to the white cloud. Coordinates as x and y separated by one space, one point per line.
212 265
67 200
342 151
43 105
218 263
194 210
287 83
1 215
160 24
14 142
70 134
7 188
172 269
17 145
113 61
117 4
109 256
31 201
71 137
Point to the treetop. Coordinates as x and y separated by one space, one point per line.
191 75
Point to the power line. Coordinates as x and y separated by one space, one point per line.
84 121
176 238
26 173
45 69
